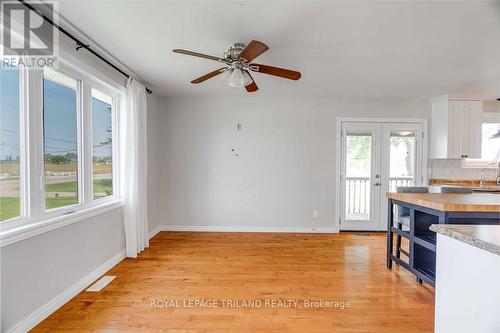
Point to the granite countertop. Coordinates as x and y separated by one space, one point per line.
486 237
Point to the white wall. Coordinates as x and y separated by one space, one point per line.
38 269
155 108
285 167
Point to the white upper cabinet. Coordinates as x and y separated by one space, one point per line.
456 128
474 128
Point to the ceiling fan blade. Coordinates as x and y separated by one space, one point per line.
276 71
253 50
209 75
200 55
252 86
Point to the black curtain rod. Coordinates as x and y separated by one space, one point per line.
79 43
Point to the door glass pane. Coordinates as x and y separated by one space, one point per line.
358 171
10 151
102 167
402 160
60 139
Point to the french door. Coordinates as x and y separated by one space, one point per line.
376 157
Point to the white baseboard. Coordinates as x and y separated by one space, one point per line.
210 228
36 317
154 231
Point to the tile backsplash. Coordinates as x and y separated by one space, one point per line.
453 169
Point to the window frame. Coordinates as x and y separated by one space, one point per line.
23 153
114 146
79 136
34 217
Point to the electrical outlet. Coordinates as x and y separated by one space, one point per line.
315 214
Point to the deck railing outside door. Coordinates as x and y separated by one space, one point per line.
357 204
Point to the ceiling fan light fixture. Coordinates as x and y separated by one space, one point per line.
226 76
246 79
238 63
236 77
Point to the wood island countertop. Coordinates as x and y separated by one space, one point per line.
452 202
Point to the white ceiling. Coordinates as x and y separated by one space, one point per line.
400 49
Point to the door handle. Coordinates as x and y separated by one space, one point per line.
377 184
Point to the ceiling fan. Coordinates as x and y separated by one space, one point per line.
238 64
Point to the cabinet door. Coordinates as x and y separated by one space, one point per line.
473 128
456 129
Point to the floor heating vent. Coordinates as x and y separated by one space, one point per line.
363 235
101 283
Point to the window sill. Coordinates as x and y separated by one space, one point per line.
28 230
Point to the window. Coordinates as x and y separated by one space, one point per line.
10 144
61 122
60 137
358 172
402 159
490 142
102 148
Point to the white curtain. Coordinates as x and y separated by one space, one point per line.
133 143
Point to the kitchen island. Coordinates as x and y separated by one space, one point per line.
427 209
471 302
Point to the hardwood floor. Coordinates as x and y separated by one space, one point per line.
247 266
